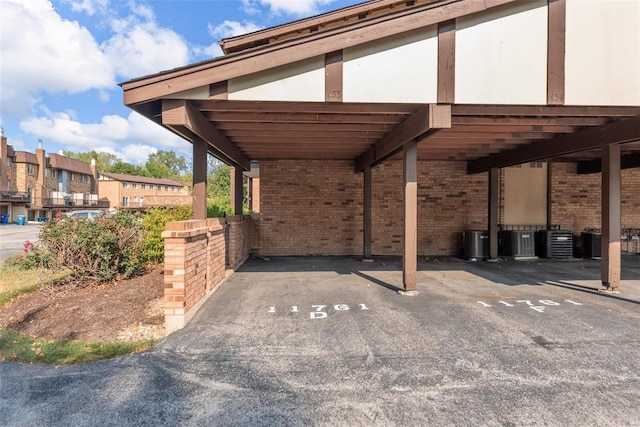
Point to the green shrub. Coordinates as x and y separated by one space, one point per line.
34 256
154 222
103 249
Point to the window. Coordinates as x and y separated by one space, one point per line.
53 173
31 170
173 188
135 185
125 184
150 186
125 201
144 186
135 198
73 176
166 188
86 179
47 172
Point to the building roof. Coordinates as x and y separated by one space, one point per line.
141 179
57 161
10 151
26 157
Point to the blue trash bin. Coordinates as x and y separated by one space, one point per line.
4 219
21 219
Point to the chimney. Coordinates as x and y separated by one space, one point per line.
42 165
94 177
39 144
61 152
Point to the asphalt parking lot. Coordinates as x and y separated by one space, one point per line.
13 236
328 341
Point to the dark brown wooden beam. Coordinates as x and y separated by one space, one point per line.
333 76
611 220
183 113
627 161
446 61
199 178
428 119
542 111
236 190
306 118
556 51
316 127
219 90
410 235
304 107
622 131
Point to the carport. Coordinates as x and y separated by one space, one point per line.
289 93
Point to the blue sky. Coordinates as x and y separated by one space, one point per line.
61 61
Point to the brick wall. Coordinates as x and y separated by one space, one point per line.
194 262
315 207
576 199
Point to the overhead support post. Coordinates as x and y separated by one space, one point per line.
199 178
428 120
410 249
236 190
611 222
493 216
366 217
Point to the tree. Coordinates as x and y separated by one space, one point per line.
166 164
104 161
127 169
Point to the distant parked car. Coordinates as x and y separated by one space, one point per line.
86 214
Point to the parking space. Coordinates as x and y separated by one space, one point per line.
329 341
13 236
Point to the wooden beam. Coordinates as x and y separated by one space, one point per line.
622 131
199 178
627 161
219 90
333 76
316 127
329 118
300 48
554 111
430 118
611 221
446 61
304 107
236 190
183 113
410 247
556 51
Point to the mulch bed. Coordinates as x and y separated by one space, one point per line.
126 310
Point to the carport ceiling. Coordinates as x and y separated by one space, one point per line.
314 130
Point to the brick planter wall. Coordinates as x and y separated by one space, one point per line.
194 263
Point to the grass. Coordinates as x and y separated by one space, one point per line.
16 347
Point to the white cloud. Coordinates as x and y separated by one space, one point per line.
131 138
292 7
140 46
44 53
91 7
232 29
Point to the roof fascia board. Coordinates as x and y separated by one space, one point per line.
427 120
233 44
627 161
619 132
270 56
183 113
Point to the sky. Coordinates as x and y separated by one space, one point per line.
61 62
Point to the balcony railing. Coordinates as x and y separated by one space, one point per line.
14 197
52 202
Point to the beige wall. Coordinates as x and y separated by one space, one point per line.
138 197
525 194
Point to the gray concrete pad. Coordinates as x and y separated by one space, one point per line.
329 341
13 237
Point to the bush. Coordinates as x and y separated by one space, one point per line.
103 249
154 222
33 257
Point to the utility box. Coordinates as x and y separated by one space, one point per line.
591 244
555 244
476 244
517 243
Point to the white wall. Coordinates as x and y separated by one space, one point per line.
300 81
501 55
602 52
402 68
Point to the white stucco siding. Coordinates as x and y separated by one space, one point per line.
501 55
602 64
300 81
402 68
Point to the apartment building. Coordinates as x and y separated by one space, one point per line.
138 192
37 185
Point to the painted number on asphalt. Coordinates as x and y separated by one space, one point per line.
534 305
320 311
